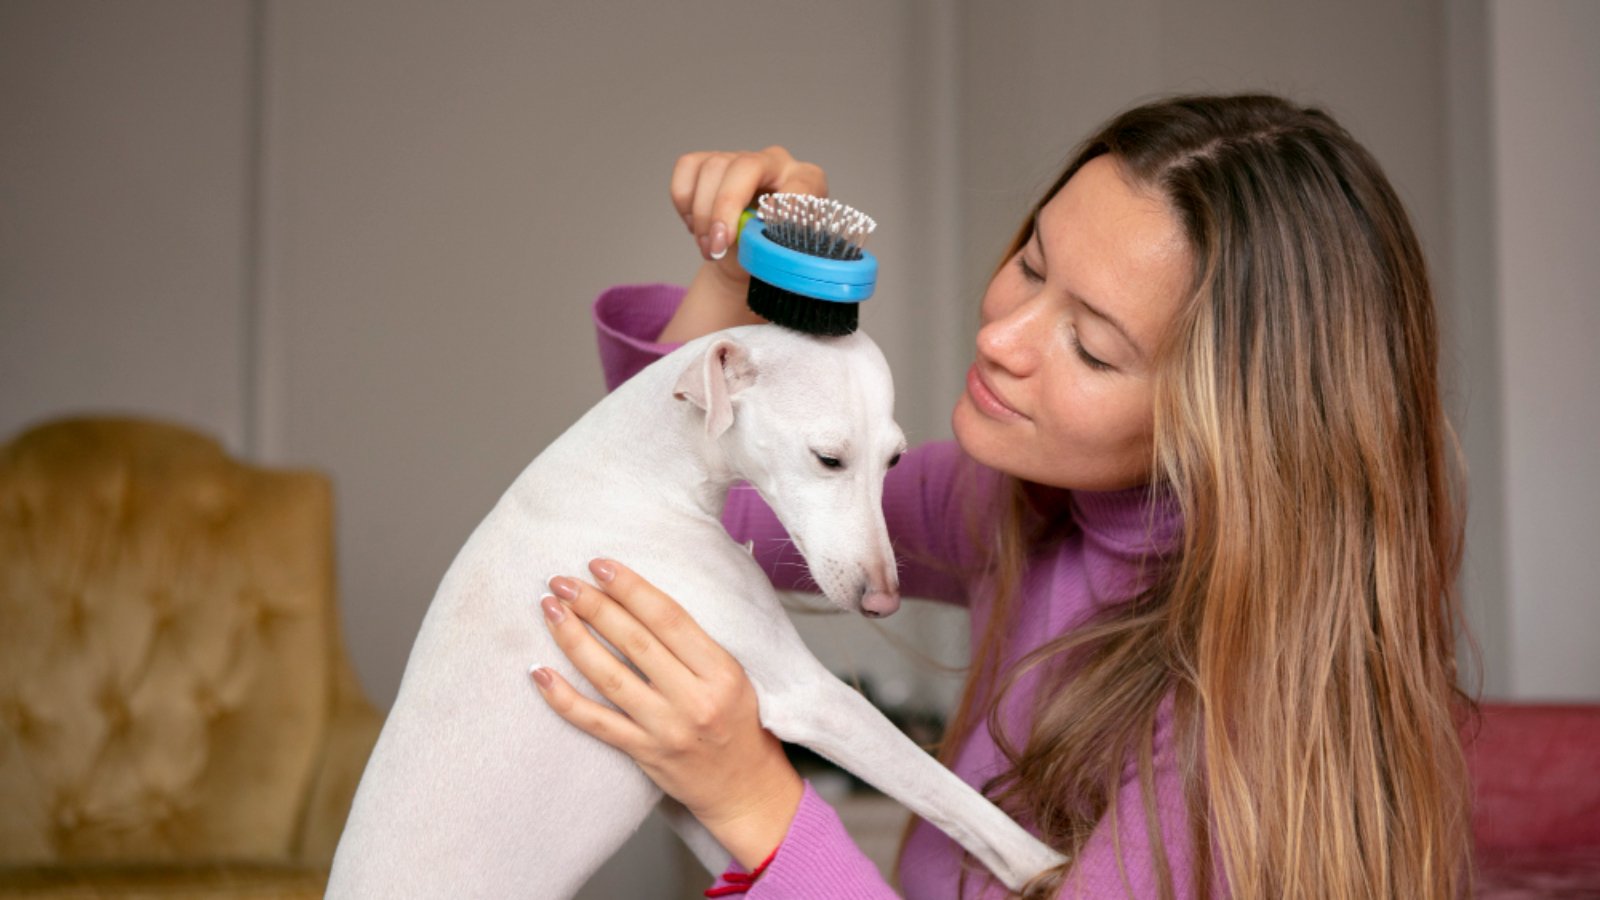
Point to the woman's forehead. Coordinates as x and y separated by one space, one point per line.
1116 245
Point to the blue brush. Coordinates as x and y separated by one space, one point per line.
808 270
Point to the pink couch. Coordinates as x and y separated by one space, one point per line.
1536 817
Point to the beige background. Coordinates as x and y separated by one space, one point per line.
363 236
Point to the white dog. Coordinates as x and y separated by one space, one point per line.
477 789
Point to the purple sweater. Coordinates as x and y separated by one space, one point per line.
924 501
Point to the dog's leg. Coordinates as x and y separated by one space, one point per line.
688 828
831 718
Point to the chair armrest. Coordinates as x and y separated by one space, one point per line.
352 731
1536 777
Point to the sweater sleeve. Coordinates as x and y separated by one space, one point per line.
627 321
931 536
817 858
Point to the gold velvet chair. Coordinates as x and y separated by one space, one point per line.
177 713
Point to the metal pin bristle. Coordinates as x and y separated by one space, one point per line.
815 225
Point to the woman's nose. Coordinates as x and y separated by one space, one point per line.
1011 338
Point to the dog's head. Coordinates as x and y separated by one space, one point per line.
809 422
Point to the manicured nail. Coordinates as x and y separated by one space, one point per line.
542 676
564 588
552 610
719 240
603 570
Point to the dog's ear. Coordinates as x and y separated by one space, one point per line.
712 380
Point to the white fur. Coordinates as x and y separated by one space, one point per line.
476 789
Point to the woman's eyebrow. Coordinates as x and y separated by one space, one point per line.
1137 350
1038 243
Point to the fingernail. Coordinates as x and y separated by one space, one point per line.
542 676
719 240
552 610
705 245
603 570
564 588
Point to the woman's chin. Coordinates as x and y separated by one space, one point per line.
960 418
973 435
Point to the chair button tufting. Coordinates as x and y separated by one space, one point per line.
111 492
212 501
17 716
73 614
68 812
158 804
258 609
205 701
160 600
17 509
114 706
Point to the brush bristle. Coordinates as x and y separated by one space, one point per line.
815 225
801 313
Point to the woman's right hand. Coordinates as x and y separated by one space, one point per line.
710 190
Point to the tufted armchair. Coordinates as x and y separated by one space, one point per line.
177 714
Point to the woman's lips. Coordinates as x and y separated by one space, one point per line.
987 401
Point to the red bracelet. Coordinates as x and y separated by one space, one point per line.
740 882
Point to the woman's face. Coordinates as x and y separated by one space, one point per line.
1061 392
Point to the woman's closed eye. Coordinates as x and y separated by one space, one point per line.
1033 275
1099 365
1029 272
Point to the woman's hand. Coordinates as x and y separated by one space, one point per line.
710 190
691 723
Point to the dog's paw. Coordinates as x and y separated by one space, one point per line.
1037 860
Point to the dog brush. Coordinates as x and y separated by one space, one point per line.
808 269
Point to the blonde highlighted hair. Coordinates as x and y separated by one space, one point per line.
1304 628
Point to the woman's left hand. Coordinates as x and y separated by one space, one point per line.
691 723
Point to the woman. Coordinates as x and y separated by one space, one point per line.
1212 576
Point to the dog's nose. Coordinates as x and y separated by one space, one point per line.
877 604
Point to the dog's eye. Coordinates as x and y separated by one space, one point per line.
894 459
829 462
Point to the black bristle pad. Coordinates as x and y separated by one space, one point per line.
791 310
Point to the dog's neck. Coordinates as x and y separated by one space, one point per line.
651 446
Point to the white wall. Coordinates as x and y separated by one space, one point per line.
1472 331
124 183
1545 93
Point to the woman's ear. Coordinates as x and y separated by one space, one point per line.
712 380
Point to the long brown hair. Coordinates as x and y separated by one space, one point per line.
1304 628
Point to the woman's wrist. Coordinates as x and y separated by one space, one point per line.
757 825
715 300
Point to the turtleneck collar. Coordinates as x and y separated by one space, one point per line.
1134 520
